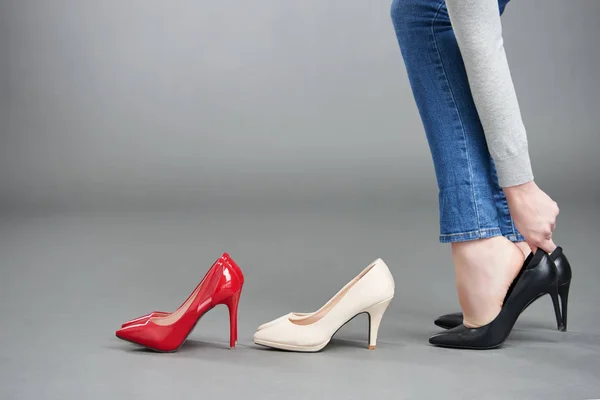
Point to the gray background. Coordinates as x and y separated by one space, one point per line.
140 139
152 101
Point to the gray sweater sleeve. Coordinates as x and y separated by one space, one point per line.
478 31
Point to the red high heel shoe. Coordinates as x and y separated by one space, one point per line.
222 284
225 258
140 320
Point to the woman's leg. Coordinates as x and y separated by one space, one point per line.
471 204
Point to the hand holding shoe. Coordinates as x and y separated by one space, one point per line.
534 214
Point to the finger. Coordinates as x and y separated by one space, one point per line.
533 247
547 245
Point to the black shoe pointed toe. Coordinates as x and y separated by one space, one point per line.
537 278
461 337
563 269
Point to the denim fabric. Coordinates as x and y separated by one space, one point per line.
471 203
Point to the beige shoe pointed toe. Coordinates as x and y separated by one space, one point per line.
280 319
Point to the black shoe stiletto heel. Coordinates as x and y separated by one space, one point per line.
537 278
553 292
563 269
563 292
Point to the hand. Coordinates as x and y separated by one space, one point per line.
534 214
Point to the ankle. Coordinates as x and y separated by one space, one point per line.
484 271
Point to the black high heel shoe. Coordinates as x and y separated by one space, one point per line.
563 268
537 278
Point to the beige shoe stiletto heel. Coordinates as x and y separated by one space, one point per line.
375 315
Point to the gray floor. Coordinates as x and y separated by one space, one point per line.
69 279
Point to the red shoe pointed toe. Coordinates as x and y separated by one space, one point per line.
222 284
133 334
152 337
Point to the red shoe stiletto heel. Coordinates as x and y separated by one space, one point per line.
221 285
237 268
232 304
229 294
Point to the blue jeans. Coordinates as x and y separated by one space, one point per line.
471 203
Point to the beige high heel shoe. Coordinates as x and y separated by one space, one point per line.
370 292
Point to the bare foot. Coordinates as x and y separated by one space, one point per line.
484 271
